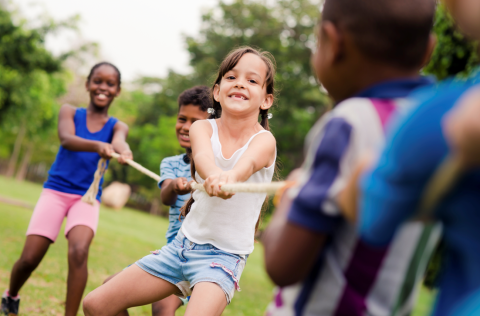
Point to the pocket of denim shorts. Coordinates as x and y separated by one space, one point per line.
225 253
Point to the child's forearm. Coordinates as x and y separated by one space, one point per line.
119 141
244 169
205 166
120 146
75 143
168 195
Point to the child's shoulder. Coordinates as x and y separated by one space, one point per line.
68 109
204 124
174 159
355 111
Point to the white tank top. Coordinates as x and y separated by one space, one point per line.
227 224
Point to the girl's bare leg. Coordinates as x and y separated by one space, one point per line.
132 287
33 252
79 240
124 312
165 307
208 299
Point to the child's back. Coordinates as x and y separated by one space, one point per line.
393 190
417 147
361 63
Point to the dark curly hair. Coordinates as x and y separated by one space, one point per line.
198 95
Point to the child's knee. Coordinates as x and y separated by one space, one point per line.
78 255
92 305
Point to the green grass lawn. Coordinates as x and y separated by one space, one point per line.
122 238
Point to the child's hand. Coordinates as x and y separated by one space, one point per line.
126 154
214 183
105 150
181 186
461 127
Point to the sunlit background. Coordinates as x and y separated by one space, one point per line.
161 48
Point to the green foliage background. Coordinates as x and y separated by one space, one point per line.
32 79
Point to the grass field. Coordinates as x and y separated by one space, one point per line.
122 238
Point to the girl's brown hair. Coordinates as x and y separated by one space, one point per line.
228 64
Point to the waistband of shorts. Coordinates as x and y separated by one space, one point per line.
189 245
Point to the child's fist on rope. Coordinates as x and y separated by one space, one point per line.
105 150
181 186
213 184
124 156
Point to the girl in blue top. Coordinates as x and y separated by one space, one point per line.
86 135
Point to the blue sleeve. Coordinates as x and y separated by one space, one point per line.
166 171
391 191
307 209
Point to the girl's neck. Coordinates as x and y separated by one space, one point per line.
238 127
96 110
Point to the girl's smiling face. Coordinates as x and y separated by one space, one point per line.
103 86
242 90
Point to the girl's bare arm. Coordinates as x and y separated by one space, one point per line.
202 152
119 142
259 154
68 139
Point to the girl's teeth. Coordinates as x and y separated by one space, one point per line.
102 96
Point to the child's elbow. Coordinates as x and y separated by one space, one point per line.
281 277
64 142
279 273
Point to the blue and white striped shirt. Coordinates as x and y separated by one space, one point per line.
172 168
352 278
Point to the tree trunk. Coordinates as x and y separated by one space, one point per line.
22 171
12 163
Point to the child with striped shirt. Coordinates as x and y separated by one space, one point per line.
368 58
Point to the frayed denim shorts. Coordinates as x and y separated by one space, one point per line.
185 263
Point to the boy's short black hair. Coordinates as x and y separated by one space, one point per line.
394 31
198 95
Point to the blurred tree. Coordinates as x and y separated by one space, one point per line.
285 28
31 80
454 54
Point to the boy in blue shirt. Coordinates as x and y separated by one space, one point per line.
419 144
311 251
175 171
175 177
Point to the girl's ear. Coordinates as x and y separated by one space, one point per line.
86 85
267 103
118 91
216 91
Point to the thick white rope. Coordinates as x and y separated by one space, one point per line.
269 188
91 195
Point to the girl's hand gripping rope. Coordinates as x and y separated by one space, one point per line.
124 156
213 184
105 150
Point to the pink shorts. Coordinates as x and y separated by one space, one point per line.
53 206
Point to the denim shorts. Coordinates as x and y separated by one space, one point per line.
185 263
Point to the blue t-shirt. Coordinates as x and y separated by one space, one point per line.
172 168
73 171
392 191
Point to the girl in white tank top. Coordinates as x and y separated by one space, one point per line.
227 224
217 235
